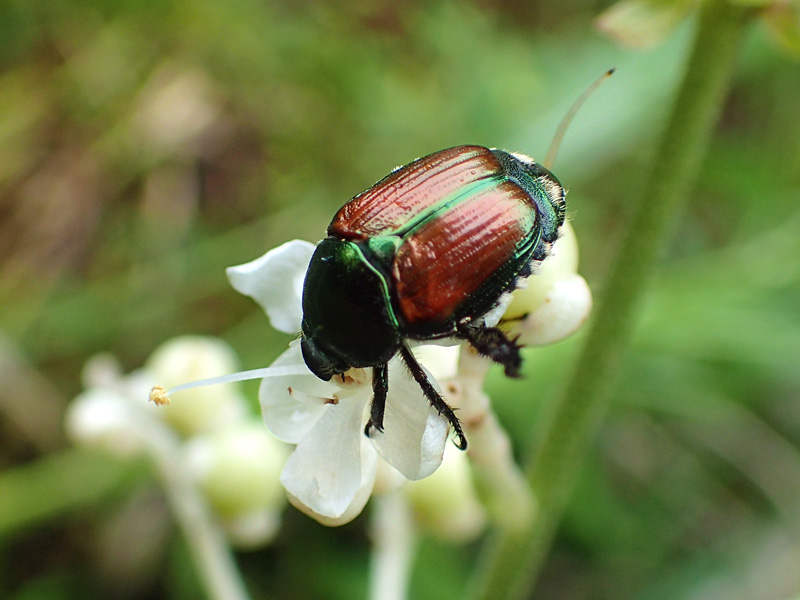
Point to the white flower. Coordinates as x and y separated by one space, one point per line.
106 414
331 473
101 418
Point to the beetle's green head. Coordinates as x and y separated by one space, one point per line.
347 316
321 361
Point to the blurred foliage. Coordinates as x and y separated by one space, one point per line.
145 146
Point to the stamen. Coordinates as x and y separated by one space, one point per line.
309 399
160 395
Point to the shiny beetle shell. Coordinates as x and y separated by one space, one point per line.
424 254
469 219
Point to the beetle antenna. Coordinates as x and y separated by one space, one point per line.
552 152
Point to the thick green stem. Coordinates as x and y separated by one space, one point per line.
513 559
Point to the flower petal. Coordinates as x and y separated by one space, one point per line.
414 433
369 464
286 416
566 307
327 469
440 361
275 281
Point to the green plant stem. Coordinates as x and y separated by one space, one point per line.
513 559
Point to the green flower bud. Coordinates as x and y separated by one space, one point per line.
252 530
201 409
238 469
556 301
446 504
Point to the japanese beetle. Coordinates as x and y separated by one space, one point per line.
425 254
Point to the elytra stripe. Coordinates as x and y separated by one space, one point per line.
448 258
412 193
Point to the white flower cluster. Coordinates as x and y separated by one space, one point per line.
208 436
334 468
332 471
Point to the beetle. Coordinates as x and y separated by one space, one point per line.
425 254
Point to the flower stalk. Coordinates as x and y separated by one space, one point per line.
513 558
394 540
501 482
210 552
215 564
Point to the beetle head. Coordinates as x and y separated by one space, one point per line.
320 361
347 317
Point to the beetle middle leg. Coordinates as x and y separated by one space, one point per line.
380 387
433 396
493 343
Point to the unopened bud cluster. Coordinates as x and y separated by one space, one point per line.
232 459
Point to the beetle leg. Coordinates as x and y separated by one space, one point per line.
433 396
493 343
521 317
380 387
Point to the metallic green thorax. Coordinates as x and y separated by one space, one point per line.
347 309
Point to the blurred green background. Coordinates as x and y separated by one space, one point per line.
147 145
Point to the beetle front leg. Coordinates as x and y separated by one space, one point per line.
433 396
493 343
380 387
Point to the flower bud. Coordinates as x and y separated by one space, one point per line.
446 504
101 418
253 530
783 23
643 23
238 469
556 300
440 361
200 409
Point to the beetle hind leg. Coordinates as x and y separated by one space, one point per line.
496 345
433 396
380 387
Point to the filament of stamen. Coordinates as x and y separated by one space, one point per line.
160 396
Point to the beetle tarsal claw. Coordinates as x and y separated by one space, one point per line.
461 440
369 426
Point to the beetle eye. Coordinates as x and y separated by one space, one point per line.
320 362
